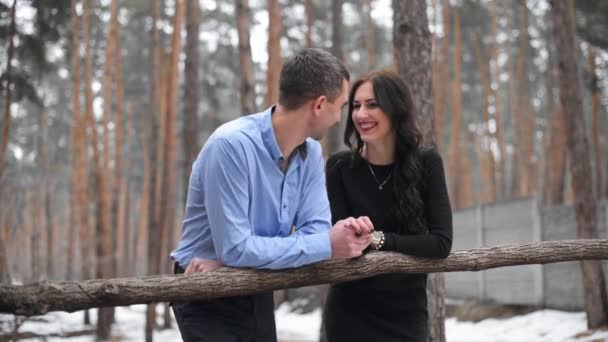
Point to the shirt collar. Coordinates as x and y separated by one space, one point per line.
270 140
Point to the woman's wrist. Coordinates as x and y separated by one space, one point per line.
378 240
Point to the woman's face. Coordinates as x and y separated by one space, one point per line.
373 125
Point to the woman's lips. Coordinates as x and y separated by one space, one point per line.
367 126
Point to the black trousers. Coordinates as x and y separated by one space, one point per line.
231 319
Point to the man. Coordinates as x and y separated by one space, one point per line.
254 179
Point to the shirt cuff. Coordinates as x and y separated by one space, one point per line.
318 246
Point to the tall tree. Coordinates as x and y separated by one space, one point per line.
443 70
596 301
153 247
522 116
87 238
118 234
333 138
412 45
595 111
309 20
7 95
75 206
247 80
370 40
555 140
487 165
275 30
104 247
191 141
455 155
496 89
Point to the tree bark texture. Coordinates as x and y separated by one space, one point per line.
273 70
333 140
45 296
7 95
75 206
105 267
370 40
86 242
155 114
596 103
247 84
191 140
309 22
596 301
412 41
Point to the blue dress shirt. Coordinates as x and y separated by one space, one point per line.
241 206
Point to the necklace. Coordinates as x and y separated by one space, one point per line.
380 184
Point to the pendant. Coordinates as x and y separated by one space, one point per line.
380 187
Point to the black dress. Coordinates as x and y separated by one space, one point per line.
389 307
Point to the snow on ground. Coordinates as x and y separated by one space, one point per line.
538 326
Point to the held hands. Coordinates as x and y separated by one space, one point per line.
202 265
349 237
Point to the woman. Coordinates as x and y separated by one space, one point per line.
400 186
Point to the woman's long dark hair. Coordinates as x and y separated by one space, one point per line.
393 96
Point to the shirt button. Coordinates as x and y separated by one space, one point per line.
284 206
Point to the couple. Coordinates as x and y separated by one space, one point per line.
260 175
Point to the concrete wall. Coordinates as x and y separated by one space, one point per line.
515 222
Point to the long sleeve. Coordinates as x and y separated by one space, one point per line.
313 215
335 189
437 212
225 179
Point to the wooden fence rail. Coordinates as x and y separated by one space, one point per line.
45 296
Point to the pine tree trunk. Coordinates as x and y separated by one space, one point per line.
370 41
142 236
6 123
486 159
169 177
105 187
152 210
499 176
309 20
191 143
595 111
333 139
88 240
275 30
523 115
443 96
5 239
412 44
117 222
247 83
456 153
123 247
596 301
75 150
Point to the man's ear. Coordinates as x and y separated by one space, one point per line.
318 104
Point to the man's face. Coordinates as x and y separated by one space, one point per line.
330 113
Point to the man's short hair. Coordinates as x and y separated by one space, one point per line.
309 74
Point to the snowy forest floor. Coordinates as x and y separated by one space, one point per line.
539 325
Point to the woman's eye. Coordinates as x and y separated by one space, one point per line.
356 106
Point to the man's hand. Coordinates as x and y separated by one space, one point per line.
202 265
349 237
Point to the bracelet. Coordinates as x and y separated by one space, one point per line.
377 240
